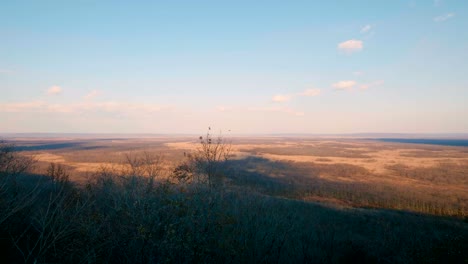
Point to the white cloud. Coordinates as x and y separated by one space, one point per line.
91 95
344 85
351 46
366 28
350 84
310 92
280 98
444 17
372 84
54 90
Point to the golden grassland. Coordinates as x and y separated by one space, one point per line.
379 159
342 167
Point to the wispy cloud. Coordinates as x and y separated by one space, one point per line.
81 107
22 106
281 98
351 46
91 95
437 2
5 71
344 85
366 29
285 110
54 90
358 73
223 108
366 86
444 17
309 92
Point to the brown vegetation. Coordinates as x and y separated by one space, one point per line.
422 178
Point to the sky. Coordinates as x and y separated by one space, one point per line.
253 67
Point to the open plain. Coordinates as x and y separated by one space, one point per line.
343 171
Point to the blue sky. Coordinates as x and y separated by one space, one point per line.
244 66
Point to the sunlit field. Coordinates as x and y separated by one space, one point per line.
353 172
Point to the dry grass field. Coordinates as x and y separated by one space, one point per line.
353 172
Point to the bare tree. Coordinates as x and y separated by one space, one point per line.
205 164
58 173
11 166
144 164
11 163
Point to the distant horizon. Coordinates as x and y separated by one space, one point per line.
214 133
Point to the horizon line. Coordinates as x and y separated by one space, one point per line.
351 134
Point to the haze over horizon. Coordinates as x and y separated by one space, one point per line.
250 67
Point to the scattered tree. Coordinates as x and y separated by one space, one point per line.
58 173
205 165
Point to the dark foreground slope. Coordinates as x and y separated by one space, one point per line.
115 219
